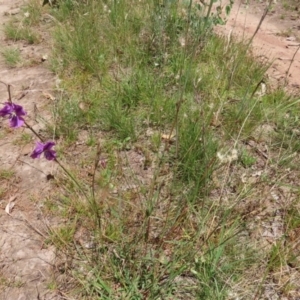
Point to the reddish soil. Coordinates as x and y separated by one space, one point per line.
276 41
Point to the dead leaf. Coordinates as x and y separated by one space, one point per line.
49 96
215 122
10 205
168 137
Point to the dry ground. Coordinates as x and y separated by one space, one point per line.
25 261
276 40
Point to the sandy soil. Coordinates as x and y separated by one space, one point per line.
276 40
26 263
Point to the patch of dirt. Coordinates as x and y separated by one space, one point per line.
276 41
26 263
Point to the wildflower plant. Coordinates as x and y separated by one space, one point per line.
15 113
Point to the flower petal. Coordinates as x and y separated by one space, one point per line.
35 154
50 154
6 110
16 122
19 110
48 145
38 150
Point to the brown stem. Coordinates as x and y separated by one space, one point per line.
9 93
96 163
249 43
70 175
8 90
261 21
56 160
287 72
34 132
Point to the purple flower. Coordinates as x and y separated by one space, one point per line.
46 148
15 113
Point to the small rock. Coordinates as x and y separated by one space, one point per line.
44 58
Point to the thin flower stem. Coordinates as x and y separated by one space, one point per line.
288 71
96 164
42 140
56 160
8 90
30 127
9 93
71 176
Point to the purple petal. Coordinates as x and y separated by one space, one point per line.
50 154
39 147
48 146
35 154
16 122
19 110
7 109
38 150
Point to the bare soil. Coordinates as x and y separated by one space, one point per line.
27 263
276 41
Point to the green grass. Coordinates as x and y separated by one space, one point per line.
23 28
12 56
32 12
291 5
20 33
178 208
6 174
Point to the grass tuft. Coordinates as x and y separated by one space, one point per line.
12 56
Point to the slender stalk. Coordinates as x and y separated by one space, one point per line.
96 163
209 11
9 93
249 43
8 86
8 90
71 176
33 131
288 71
260 22
56 160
